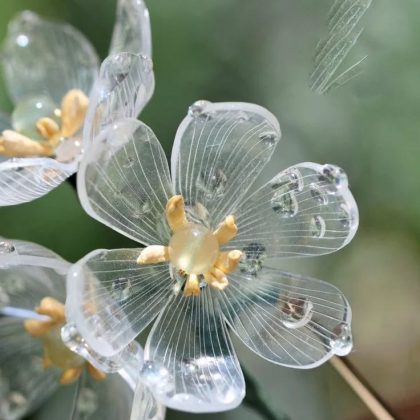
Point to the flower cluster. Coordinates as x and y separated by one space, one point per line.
210 236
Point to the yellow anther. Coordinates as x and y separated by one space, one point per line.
153 254
175 213
192 286
227 230
48 129
37 328
216 278
73 111
228 261
13 144
52 308
70 375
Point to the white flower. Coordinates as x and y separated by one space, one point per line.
49 70
33 358
190 224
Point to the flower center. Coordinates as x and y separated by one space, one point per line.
40 127
193 249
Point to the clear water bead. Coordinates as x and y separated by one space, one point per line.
254 257
317 227
342 343
333 178
6 247
193 249
284 204
156 376
296 312
197 108
269 138
28 112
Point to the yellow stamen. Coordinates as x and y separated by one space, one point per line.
48 128
175 213
73 111
192 286
70 375
228 261
153 254
55 352
13 144
227 230
216 278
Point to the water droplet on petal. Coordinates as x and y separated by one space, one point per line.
6 247
129 162
269 138
213 184
333 178
317 227
284 204
121 290
254 255
296 312
319 194
342 343
197 108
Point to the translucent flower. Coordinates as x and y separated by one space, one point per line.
34 360
211 236
49 70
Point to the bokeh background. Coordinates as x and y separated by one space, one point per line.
261 51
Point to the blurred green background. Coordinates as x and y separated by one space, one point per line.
261 51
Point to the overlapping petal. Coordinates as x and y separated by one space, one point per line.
306 210
45 58
132 29
124 182
110 298
287 319
192 364
23 180
218 152
124 86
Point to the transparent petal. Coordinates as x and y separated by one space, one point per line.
24 383
45 58
190 361
305 210
89 399
23 180
132 29
287 319
145 405
218 152
124 182
111 299
125 85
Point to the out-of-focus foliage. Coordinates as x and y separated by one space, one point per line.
262 52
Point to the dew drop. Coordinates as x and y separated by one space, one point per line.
284 204
129 162
121 290
197 108
317 227
296 312
6 247
156 376
318 194
333 178
255 254
269 138
212 185
342 343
